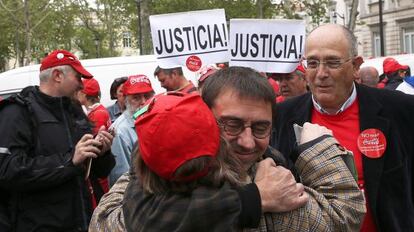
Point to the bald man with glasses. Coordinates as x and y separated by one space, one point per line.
376 125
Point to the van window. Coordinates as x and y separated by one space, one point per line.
6 95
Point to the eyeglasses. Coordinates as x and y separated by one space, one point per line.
234 127
332 64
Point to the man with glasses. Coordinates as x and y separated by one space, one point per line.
46 139
376 125
243 103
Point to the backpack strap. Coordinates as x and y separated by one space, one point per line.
25 103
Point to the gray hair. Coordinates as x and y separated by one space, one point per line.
352 41
47 73
129 111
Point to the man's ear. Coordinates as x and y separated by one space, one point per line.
358 60
174 73
57 75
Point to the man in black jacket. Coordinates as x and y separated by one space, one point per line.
377 125
45 148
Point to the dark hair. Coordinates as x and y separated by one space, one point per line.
94 99
224 167
394 75
115 84
247 82
168 71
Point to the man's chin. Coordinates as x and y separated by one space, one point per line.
247 160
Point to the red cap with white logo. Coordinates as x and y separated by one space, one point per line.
63 57
137 84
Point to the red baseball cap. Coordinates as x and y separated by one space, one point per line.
390 65
63 57
90 87
174 129
274 84
300 68
205 72
137 84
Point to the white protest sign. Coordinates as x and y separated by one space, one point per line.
266 45
191 39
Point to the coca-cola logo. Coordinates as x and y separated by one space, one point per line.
139 79
372 143
193 63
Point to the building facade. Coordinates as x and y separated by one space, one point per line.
398 25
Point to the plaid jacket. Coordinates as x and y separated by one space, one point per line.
336 203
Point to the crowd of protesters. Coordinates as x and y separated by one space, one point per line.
327 147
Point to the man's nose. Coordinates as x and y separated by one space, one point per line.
141 99
283 82
322 70
246 139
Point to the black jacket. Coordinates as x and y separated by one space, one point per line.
389 180
46 191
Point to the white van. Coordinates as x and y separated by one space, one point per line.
406 59
105 70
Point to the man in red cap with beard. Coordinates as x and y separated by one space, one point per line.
137 90
45 142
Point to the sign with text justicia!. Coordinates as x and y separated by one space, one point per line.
191 39
267 45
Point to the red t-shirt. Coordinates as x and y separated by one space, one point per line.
99 116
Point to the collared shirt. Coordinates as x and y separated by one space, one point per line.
89 109
187 88
122 145
344 106
114 111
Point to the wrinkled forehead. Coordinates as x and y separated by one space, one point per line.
235 97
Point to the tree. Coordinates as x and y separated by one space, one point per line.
27 17
37 28
317 10
353 15
7 38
